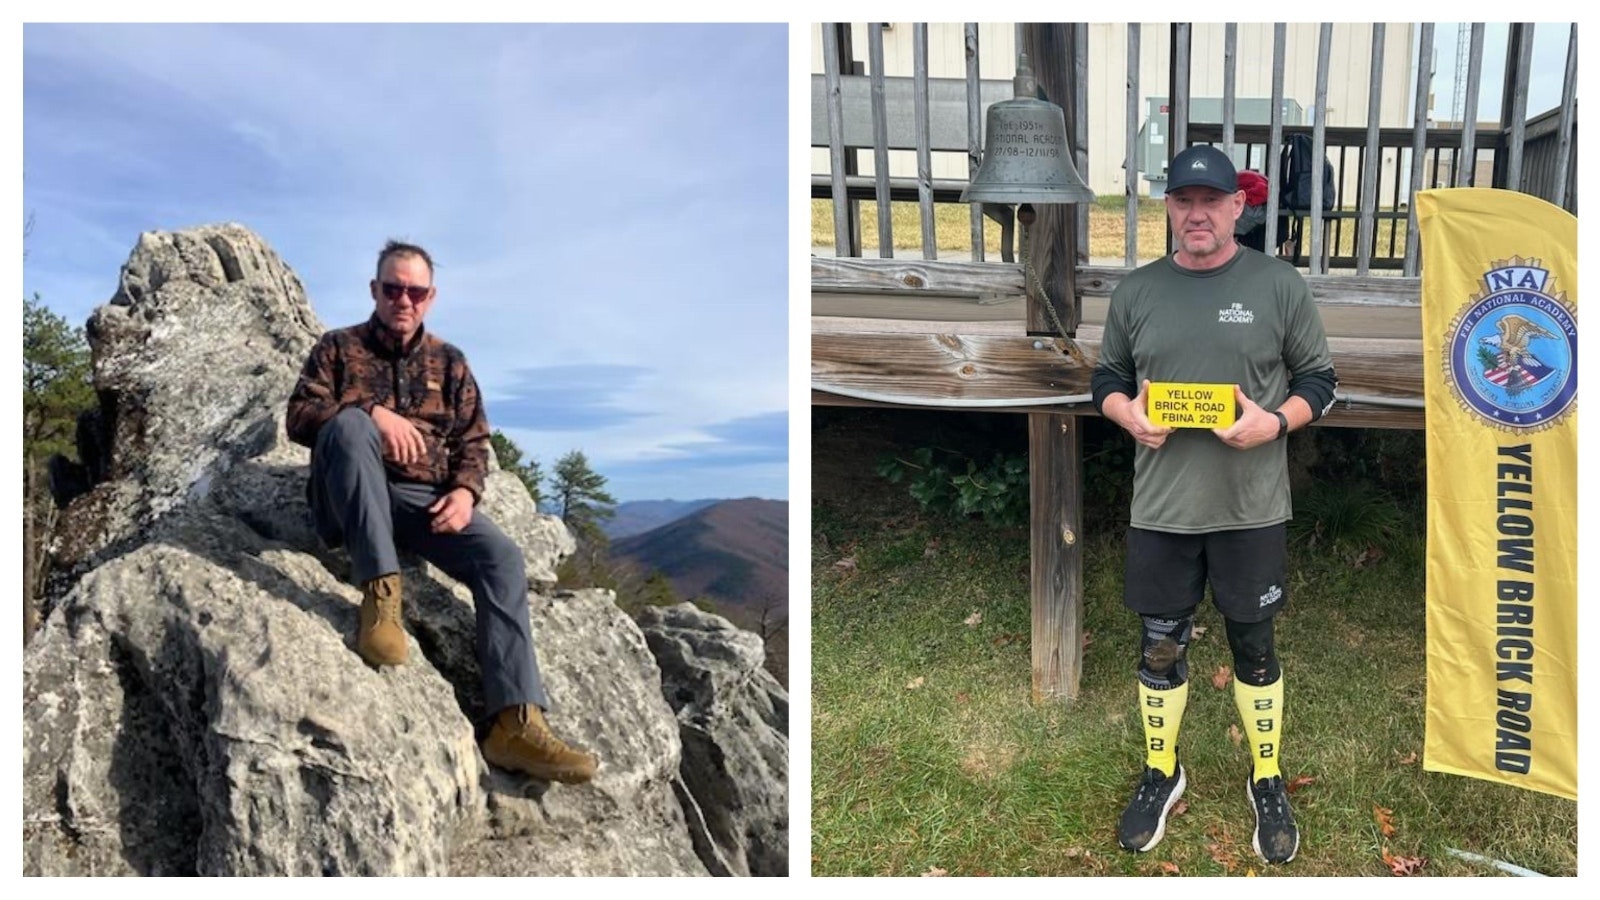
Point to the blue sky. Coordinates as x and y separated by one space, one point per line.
607 206
1544 86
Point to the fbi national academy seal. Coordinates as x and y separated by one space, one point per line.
1513 349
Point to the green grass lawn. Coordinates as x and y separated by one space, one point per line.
1107 229
929 754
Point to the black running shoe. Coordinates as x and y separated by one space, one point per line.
1276 838
1145 820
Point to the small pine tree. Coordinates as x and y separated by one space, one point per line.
658 590
580 493
509 455
55 390
55 381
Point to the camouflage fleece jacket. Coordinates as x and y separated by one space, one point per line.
428 382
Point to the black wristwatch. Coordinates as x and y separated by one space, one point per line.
1283 425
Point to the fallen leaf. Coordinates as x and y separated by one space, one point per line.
1197 631
1223 857
1088 638
1235 735
934 872
1385 820
1179 808
848 564
1298 782
1001 640
1074 851
1249 873
932 549
1370 555
1171 868
1222 677
974 619
1410 759
963 697
915 683
1403 865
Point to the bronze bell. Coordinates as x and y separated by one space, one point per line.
1026 158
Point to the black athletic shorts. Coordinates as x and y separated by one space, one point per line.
1167 573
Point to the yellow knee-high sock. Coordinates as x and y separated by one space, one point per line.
1162 713
1261 708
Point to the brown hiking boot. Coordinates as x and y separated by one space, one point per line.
521 741
381 638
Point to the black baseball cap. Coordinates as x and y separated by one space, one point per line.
1202 166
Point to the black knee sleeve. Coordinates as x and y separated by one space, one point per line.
1162 647
1254 660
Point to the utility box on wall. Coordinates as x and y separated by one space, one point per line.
1153 134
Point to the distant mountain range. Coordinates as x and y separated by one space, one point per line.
734 551
639 516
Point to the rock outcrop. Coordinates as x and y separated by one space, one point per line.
733 717
191 703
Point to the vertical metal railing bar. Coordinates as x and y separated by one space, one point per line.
1395 201
1519 105
1339 179
1130 165
880 142
1372 157
1080 129
830 74
1319 145
1419 143
1569 94
1178 98
1178 117
1230 58
1467 174
974 132
1275 139
919 65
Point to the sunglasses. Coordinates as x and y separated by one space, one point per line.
392 291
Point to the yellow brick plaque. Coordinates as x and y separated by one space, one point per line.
1183 405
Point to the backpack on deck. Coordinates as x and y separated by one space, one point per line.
1294 191
1294 186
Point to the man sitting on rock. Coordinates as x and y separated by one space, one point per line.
400 448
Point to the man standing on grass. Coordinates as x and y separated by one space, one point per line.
1210 505
400 448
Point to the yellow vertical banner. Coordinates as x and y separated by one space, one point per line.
1500 368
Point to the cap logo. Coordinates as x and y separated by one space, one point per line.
1198 164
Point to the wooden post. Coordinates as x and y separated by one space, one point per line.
1056 547
1053 238
1056 572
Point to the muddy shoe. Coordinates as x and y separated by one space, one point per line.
1144 822
1276 838
381 638
522 742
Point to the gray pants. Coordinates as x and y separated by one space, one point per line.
354 503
